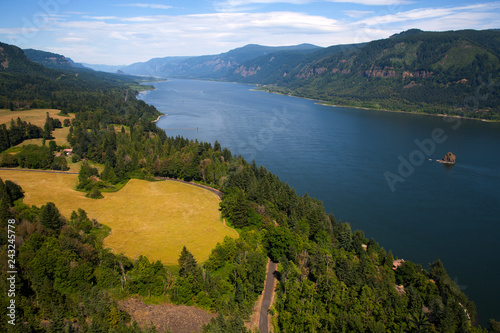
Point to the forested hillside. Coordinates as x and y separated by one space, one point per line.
28 85
51 60
330 278
454 72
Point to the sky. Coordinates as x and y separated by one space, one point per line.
121 32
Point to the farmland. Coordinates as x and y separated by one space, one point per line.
154 219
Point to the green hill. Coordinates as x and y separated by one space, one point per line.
52 60
454 72
28 85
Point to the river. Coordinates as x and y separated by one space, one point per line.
376 170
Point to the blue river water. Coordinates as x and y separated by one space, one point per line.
376 170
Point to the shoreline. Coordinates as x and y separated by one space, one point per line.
325 103
163 114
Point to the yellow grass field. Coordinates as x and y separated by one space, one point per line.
37 117
154 219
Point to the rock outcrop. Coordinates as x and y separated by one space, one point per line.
449 158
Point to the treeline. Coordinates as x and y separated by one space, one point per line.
19 130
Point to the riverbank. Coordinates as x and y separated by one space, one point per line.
325 103
154 121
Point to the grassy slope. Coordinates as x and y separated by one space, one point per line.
154 219
37 117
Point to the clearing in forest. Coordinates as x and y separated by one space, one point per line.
37 117
154 219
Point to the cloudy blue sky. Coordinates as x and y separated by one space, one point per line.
118 32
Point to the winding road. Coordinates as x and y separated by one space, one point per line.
267 299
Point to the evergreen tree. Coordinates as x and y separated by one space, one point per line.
4 138
50 217
187 262
5 202
235 207
14 191
48 128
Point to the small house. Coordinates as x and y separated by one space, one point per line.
396 263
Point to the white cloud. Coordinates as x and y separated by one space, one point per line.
123 40
120 40
357 13
71 39
375 2
428 14
140 19
146 5
102 18
239 5
416 14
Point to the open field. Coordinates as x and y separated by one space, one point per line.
155 219
37 117
60 137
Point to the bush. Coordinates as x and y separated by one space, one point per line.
8 161
95 194
35 157
60 163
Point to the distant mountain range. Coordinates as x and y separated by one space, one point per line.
451 72
210 66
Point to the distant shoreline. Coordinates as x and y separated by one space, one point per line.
325 103
148 90
164 114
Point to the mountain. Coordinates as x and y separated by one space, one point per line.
27 84
51 60
159 67
14 60
103 68
209 66
453 72
275 67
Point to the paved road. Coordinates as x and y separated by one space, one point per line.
266 301
213 190
40 170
